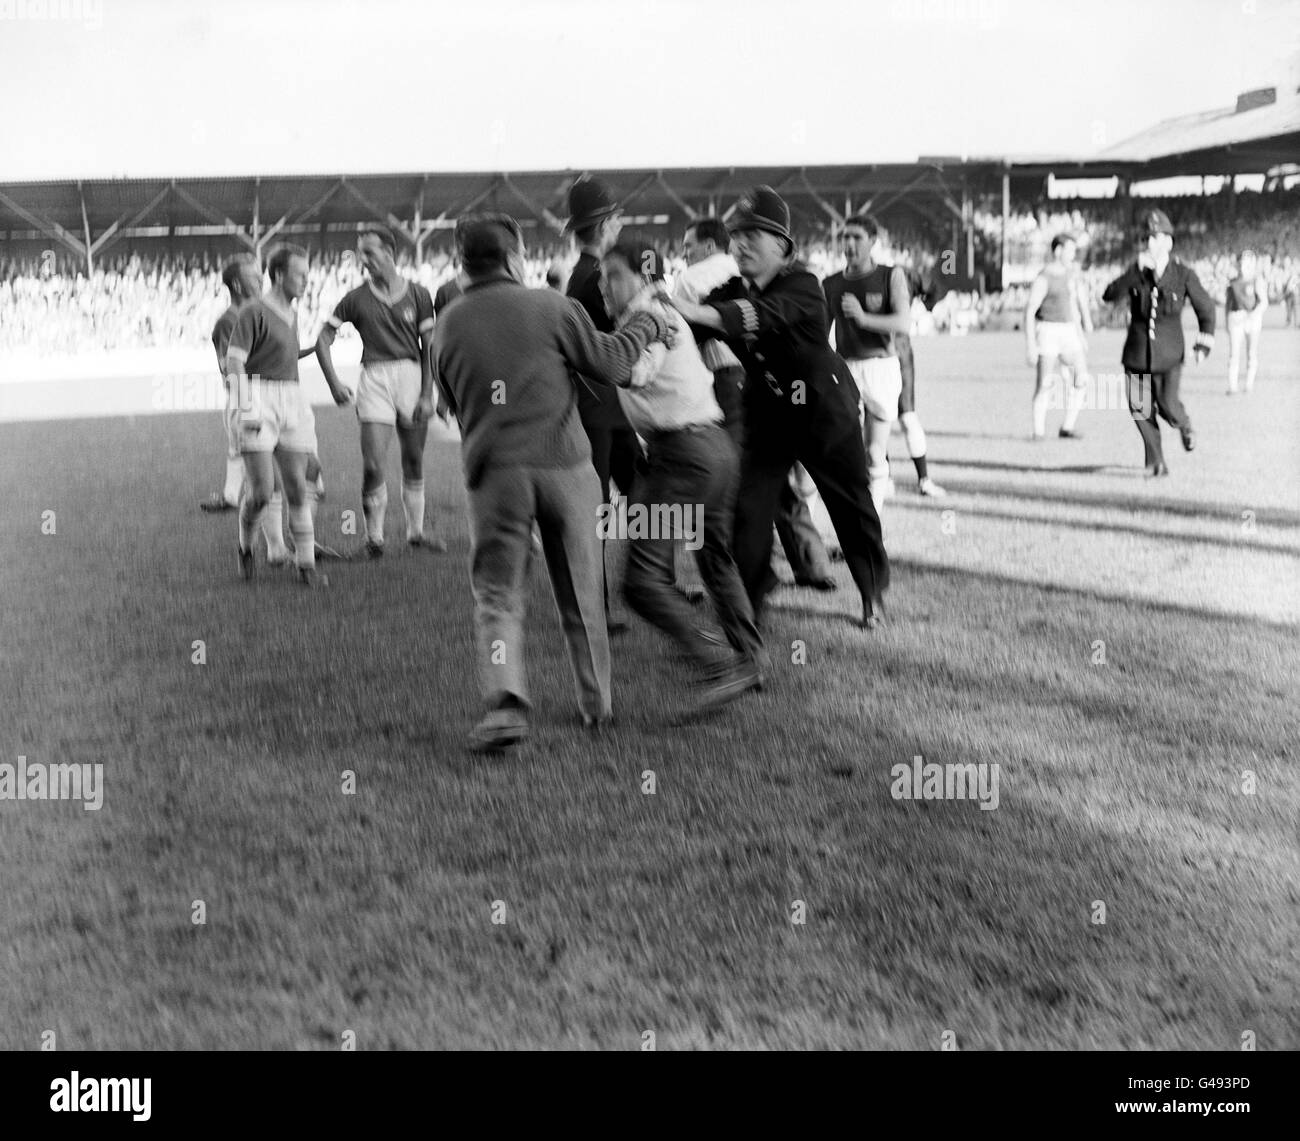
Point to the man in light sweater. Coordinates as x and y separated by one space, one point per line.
505 358
686 483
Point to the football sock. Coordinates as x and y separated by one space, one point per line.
921 472
413 505
1073 405
374 505
915 435
248 520
304 537
234 479
1041 401
273 527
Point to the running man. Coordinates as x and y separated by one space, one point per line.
395 318
867 303
1245 304
1056 319
276 419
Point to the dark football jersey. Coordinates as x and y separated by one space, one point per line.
221 332
266 339
390 328
872 290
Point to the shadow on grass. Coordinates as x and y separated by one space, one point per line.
992 465
850 610
626 911
1109 528
1271 516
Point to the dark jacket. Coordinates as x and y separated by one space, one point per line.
1155 326
598 404
780 336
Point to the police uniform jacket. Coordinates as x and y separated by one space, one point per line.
598 404
794 379
1155 328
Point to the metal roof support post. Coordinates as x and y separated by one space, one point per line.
211 215
468 206
538 211
691 214
45 225
638 190
968 225
836 219
257 221
1006 211
879 207
85 227
270 233
115 231
386 216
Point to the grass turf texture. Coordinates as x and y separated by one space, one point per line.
670 912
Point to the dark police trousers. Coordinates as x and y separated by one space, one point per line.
696 468
803 546
800 539
829 445
1151 393
614 453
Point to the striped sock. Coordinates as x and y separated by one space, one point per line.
304 537
413 505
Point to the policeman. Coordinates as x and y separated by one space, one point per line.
801 403
595 220
1158 285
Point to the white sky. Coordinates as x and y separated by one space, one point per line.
195 87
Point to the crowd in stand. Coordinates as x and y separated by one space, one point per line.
49 305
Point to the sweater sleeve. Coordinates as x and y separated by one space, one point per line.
607 357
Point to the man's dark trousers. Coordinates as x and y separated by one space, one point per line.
831 451
1151 393
696 467
728 390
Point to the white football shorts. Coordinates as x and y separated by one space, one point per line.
880 383
277 415
388 392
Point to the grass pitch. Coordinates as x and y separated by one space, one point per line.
1124 650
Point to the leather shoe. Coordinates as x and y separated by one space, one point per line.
873 614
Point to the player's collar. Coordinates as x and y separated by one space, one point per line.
269 300
387 299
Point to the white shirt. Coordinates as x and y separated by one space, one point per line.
670 388
696 282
